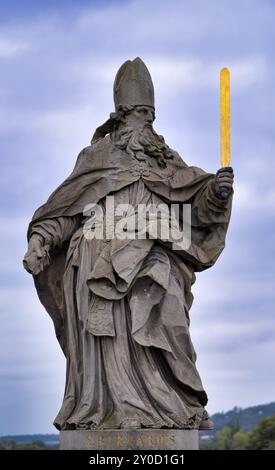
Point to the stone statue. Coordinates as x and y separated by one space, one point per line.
120 306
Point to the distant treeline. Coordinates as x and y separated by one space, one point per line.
248 418
233 437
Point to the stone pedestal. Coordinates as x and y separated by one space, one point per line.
131 439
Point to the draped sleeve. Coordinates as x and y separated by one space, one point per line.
210 221
56 231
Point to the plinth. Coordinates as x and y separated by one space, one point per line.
130 439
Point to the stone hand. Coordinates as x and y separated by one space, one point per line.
224 182
37 256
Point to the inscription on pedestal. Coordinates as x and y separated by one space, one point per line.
128 440
138 439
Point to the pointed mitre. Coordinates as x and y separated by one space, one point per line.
133 85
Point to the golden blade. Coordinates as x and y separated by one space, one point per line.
225 116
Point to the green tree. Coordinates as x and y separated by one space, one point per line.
232 437
263 437
240 440
225 437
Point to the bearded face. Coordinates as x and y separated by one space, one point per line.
134 133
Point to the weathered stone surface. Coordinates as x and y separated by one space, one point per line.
120 306
136 439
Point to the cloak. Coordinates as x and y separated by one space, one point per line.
102 169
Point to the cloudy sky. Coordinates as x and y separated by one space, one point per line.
58 60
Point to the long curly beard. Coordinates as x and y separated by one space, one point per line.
143 143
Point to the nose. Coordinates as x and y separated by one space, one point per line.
150 116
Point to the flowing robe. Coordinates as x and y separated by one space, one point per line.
121 307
